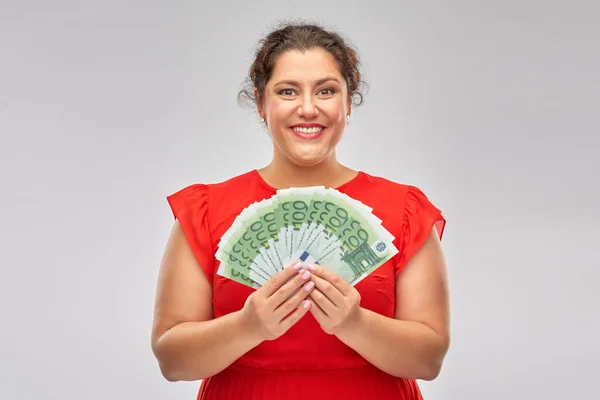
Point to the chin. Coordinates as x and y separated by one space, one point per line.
308 160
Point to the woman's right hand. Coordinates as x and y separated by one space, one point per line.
270 311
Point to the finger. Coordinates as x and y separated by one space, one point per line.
280 279
329 290
323 302
318 313
295 301
341 285
294 317
287 290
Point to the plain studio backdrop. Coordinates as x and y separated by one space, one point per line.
107 107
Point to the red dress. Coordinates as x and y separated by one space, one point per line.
305 362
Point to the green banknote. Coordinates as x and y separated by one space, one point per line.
226 271
347 242
311 224
240 247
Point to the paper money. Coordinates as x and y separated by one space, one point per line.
312 225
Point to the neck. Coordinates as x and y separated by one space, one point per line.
282 173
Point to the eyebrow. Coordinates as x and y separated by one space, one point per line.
319 82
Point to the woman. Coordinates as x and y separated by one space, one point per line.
329 339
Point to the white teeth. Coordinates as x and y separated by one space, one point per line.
308 130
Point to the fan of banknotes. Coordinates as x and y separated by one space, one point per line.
310 224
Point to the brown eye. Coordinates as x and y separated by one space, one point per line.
287 92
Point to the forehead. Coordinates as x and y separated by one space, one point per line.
305 66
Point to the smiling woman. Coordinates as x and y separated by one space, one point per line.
367 339
306 97
304 82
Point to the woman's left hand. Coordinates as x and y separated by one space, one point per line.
338 302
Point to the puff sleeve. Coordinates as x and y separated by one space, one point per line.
190 207
420 216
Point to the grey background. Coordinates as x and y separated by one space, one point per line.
106 107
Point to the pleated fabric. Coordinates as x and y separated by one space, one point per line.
246 383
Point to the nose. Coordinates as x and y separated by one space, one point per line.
308 109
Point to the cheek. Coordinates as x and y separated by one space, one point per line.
281 111
337 111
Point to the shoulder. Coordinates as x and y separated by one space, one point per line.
219 202
387 190
398 204
216 189
406 211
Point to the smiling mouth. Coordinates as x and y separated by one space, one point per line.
314 129
308 133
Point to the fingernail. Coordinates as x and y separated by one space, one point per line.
305 275
306 304
309 286
311 267
297 266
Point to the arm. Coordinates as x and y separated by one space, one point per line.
414 343
187 342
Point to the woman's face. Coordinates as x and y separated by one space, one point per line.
305 106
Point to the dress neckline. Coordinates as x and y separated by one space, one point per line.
263 182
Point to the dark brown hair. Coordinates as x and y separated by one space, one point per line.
302 36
